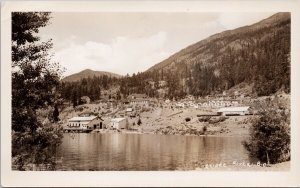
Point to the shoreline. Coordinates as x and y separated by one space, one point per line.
110 131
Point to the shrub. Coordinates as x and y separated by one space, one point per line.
270 137
139 121
217 119
187 119
204 129
204 118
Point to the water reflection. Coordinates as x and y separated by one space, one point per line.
146 152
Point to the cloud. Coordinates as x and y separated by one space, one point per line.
122 55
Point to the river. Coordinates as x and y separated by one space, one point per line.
115 151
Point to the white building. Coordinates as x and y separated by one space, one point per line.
180 105
84 123
129 109
227 111
140 102
119 123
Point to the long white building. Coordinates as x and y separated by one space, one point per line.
227 111
84 123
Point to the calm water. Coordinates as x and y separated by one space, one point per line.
146 152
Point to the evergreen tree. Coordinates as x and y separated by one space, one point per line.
55 114
34 88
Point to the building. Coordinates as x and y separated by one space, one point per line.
119 123
137 96
180 105
140 102
84 123
231 111
129 110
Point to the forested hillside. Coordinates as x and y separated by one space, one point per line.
256 56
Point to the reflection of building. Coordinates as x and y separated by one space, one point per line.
234 111
119 123
84 123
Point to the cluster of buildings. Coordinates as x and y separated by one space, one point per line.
89 123
129 108
206 104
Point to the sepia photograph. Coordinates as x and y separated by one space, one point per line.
140 91
162 91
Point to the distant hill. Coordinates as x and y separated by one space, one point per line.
88 73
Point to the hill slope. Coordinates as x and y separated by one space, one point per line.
210 49
88 73
258 54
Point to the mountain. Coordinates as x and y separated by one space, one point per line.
252 60
88 73
210 49
258 55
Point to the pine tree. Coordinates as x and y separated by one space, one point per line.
34 88
55 114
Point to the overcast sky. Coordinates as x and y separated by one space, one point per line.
132 42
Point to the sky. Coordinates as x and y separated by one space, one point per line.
132 42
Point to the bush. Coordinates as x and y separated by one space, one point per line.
270 137
139 121
204 118
217 119
204 129
187 119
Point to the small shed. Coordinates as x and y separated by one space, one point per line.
119 123
231 111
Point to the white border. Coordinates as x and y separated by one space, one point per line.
91 179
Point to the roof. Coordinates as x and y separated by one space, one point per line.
234 109
118 119
89 118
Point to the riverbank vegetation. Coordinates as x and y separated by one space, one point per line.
270 135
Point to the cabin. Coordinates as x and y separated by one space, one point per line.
84 124
233 111
119 123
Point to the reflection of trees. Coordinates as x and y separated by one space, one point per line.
149 152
